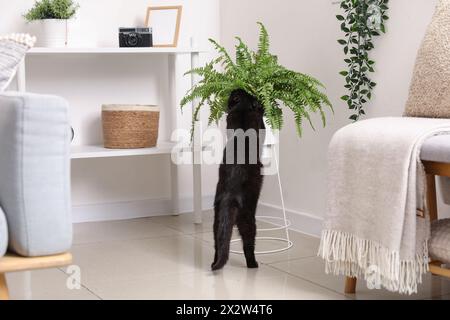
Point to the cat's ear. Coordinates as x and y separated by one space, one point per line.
233 101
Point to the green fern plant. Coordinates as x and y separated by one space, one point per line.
259 74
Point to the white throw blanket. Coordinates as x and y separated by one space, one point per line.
376 189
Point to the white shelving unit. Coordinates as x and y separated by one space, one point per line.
163 148
89 152
112 50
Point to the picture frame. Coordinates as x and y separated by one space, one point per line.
165 22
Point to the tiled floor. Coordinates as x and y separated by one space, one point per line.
169 258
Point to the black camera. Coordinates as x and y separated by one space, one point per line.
135 37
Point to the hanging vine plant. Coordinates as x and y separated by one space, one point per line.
361 22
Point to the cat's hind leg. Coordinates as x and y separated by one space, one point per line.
216 231
223 230
247 229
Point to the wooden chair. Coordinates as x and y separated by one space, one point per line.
432 169
14 263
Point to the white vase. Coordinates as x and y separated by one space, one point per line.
53 33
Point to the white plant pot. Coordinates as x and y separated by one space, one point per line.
53 33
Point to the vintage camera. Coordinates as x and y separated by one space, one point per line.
135 37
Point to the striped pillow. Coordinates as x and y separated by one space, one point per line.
13 48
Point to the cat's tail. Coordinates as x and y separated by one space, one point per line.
226 220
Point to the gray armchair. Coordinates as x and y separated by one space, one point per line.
35 209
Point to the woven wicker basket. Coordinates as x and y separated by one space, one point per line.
130 126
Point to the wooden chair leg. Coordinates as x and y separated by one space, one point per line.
4 295
350 285
436 269
431 197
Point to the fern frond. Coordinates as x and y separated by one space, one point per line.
218 109
298 122
264 43
243 55
225 57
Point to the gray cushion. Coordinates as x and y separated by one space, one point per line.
3 234
436 149
439 245
35 173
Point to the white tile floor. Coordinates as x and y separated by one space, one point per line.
169 258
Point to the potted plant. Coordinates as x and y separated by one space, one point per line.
260 75
52 16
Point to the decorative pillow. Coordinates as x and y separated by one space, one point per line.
439 245
13 48
429 94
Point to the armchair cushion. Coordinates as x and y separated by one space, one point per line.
439 245
3 234
35 173
436 149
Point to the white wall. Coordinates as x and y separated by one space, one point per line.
90 81
304 34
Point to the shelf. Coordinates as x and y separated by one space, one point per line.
89 152
112 50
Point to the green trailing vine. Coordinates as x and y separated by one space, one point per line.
259 74
361 21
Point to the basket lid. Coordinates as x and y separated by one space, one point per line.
130 107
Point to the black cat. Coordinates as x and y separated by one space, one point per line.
240 179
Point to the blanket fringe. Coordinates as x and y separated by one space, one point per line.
345 254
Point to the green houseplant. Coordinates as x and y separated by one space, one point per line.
361 21
259 74
51 17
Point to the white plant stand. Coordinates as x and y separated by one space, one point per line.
89 151
281 224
